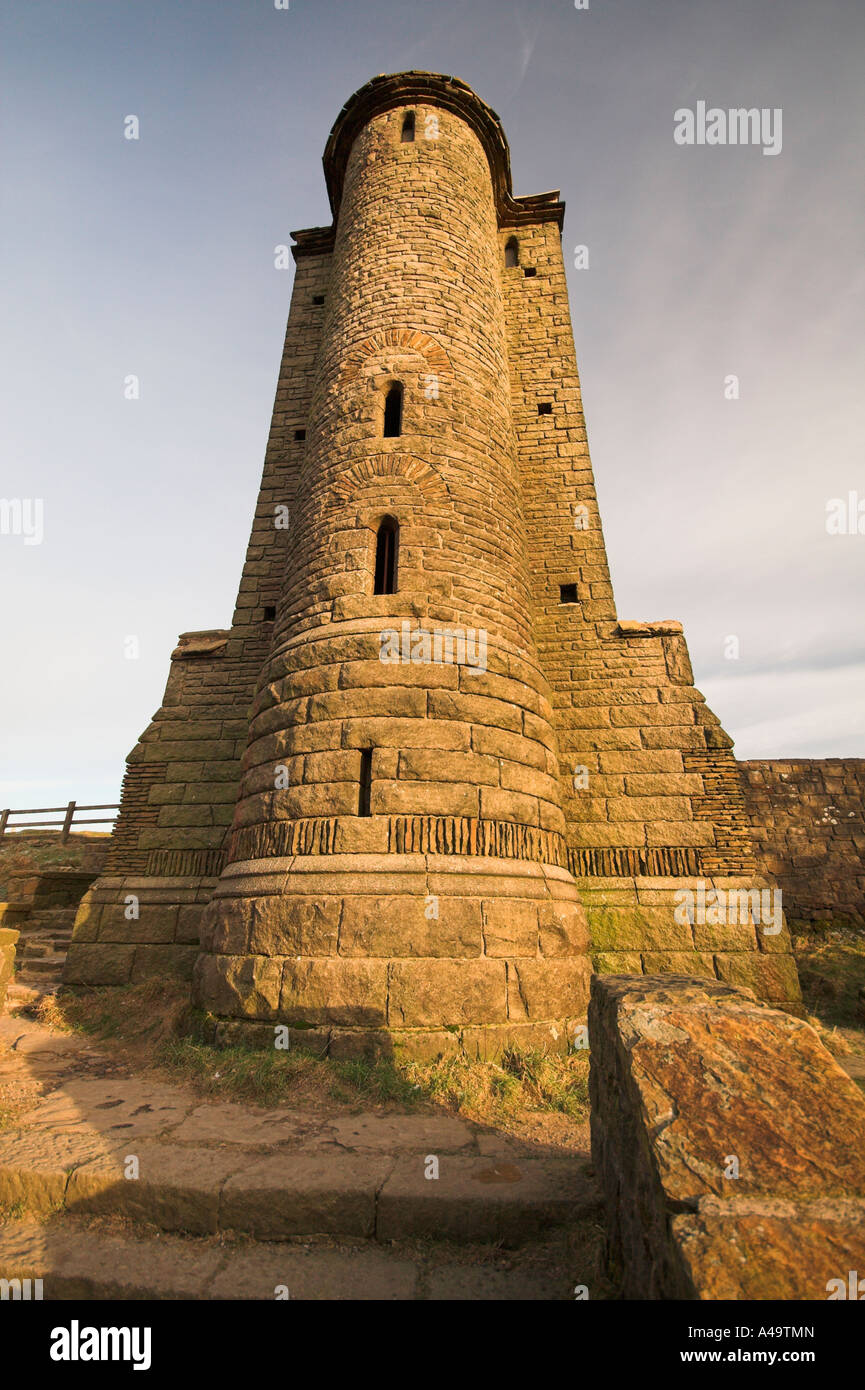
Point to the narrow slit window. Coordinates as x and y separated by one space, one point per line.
408 128
512 252
386 556
393 412
567 593
364 796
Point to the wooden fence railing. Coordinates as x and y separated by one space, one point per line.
70 813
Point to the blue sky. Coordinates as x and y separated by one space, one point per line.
155 258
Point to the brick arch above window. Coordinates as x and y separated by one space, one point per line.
399 467
407 339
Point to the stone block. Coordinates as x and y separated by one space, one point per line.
163 962
679 963
8 940
289 924
423 1044
548 989
446 993
90 963
563 929
238 986
154 923
618 963
772 977
338 992
683 1222
401 926
510 928
225 926
629 928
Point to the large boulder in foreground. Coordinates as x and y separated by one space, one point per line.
729 1143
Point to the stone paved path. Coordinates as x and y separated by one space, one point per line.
113 1182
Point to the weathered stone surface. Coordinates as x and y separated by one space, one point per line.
563 930
410 926
756 1249
395 1134
700 1092
548 989
443 993
482 1199
423 1044
75 1264
91 963
626 927
244 986
355 1275
771 977
487 1044
287 925
510 928
163 962
338 992
178 1188
806 818
291 1195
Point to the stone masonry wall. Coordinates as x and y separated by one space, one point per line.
807 820
649 784
582 748
323 904
182 778
750 1187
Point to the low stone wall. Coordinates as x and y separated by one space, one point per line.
728 1143
8 940
808 826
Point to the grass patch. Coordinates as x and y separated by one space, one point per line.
139 1016
831 963
152 1024
520 1082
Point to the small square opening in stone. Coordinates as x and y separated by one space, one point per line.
529 271
545 407
269 612
318 299
567 593
300 434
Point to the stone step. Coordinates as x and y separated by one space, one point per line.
50 965
76 1261
203 1190
42 943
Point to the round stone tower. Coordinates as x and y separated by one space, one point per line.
397 867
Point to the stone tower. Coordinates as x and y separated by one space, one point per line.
386 801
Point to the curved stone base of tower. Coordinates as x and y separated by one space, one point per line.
419 953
